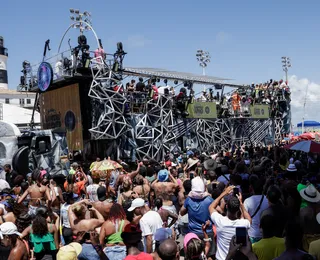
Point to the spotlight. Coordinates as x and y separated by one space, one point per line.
76 11
176 82
77 18
72 18
158 80
72 10
165 81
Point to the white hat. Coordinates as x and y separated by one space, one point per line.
136 203
310 194
292 168
197 185
192 162
69 252
318 218
8 228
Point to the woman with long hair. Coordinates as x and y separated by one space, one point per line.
110 233
42 235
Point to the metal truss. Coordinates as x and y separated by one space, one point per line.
154 129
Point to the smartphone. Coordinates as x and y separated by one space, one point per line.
235 192
241 235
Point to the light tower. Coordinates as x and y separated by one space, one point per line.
203 57
286 63
3 65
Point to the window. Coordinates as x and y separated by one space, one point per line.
21 101
7 101
28 101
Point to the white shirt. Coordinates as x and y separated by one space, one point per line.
162 89
92 192
251 204
149 224
226 229
64 215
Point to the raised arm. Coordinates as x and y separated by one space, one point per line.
215 203
245 213
26 232
134 174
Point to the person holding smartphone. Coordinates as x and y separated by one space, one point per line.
226 225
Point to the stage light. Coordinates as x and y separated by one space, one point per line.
78 18
165 81
72 18
176 82
158 80
76 11
72 10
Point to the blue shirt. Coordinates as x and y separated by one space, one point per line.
198 213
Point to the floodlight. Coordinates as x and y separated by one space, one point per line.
176 82
72 18
76 11
71 10
77 18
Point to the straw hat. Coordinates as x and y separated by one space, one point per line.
192 162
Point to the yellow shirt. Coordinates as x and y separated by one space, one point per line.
269 248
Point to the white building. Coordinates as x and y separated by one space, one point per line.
17 98
16 107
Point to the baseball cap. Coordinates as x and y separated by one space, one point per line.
162 234
8 228
69 252
163 175
188 237
136 203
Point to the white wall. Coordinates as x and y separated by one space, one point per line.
16 102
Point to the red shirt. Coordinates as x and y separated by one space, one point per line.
141 256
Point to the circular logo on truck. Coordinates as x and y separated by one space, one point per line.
45 76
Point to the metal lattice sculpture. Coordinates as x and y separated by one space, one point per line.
154 129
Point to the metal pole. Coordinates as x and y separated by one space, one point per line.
304 108
203 71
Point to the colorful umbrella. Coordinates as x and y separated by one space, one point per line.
305 146
307 136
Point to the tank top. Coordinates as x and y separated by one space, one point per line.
42 243
115 238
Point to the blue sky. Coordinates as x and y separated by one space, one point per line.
246 39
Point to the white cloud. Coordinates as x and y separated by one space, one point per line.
137 41
222 37
298 88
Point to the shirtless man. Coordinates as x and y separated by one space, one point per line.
10 238
130 175
161 186
104 204
166 215
36 192
77 217
143 187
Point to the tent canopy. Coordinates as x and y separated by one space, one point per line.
309 124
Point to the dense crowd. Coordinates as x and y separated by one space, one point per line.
248 203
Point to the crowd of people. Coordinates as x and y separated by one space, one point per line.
249 203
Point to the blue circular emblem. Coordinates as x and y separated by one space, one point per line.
45 76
